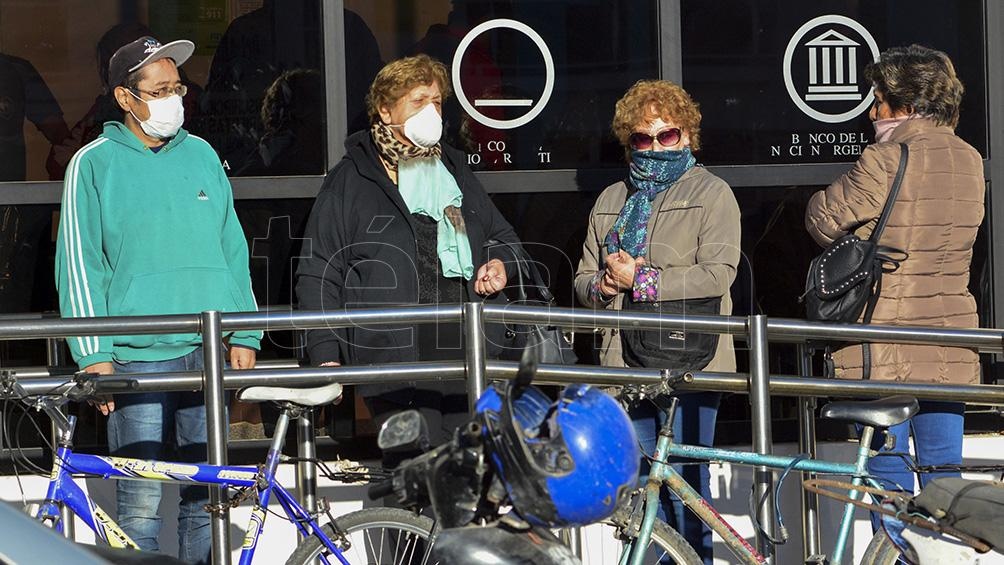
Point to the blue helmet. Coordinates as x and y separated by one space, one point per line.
563 463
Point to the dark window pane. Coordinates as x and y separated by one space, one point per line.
509 121
736 54
255 82
27 255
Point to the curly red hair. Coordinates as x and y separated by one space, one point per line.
651 99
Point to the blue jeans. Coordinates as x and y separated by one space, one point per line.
141 427
693 423
937 437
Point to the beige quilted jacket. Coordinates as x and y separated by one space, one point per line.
935 220
693 241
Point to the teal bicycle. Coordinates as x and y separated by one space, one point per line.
646 539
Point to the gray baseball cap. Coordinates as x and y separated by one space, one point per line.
140 53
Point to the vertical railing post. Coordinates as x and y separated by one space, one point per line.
760 401
216 429
575 541
807 446
306 469
474 351
55 359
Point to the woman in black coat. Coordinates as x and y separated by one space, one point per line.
402 220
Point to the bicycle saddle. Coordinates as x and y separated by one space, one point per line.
881 413
314 396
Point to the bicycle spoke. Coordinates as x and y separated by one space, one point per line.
377 536
397 546
411 554
368 542
383 534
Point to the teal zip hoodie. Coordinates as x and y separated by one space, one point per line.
144 233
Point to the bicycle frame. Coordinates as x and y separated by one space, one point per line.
63 489
662 472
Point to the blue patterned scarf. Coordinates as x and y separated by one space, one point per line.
651 173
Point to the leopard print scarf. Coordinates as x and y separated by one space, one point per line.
392 150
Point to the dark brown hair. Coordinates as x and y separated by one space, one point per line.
919 80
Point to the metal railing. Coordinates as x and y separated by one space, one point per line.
757 331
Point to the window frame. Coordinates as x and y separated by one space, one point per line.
573 180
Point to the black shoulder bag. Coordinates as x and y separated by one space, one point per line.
675 349
846 279
549 342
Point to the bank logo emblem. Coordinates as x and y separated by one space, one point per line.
822 68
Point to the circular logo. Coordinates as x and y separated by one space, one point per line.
822 68
536 107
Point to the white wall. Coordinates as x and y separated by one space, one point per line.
730 491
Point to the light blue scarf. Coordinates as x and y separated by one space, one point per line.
428 188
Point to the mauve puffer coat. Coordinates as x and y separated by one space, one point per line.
935 220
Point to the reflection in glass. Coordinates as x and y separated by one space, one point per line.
254 51
24 96
598 50
292 124
255 91
104 108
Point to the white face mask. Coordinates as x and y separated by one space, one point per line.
166 116
424 128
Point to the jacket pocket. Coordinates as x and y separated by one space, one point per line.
179 291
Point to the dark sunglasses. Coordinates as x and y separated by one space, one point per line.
667 138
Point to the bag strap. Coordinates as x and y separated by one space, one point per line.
890 200
524 268
866 350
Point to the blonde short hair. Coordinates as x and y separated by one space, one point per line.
651 99
397 78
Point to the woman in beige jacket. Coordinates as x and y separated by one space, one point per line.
935 219
670 232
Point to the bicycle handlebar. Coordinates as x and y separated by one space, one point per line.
413 483
90 386
408 481
108 385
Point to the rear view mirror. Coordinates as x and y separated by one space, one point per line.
406 431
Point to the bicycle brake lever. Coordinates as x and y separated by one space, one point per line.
12 388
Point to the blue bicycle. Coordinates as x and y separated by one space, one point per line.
375 535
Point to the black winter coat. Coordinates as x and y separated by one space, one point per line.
361 252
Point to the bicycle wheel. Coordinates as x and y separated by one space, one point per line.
377 536
666 546
881 551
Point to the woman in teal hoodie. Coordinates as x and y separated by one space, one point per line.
148 227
